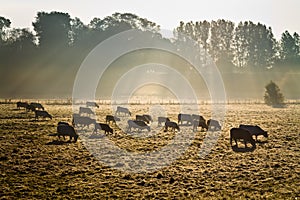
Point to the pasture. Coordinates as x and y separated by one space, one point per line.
36 165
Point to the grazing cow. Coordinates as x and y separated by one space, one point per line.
91 104
22 105
185 117
66 130
198 118
105 127
110 118
42 113
148 117
172 125
161 120
142 118
37 106
30 108
201 124
241 134
213 125
63 123
83 121
122 110
140 125
254 130
87 111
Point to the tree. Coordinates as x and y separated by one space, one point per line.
221 41
254 45
273 96
4 23
289 52
52 29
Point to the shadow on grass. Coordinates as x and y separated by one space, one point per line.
237 149
39 120
58 142
185 125
261 142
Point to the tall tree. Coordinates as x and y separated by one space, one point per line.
222 33
254 45
289 51
4 24
52 29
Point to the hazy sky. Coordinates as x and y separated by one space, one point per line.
281 15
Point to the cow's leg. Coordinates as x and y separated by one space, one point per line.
236 143
245 142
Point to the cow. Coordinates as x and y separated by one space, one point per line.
142 118
42 113
254 130
82 121
213 125
197 123
88 111
161 120
37 106
185 117
241 134
140 125
148 117
105 127
172 125
63 123
198 118
91 104
30 108
67 130
122 110
22 105
110 118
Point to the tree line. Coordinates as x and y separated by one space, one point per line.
60 40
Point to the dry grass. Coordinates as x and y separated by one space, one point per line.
33 166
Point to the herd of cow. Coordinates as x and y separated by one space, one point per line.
141 122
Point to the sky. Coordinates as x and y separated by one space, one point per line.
280 15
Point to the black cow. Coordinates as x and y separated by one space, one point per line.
140 125
22 105
105 127
213 125
142 118
172 125
91 104
254 130
82 121
241 134
185 117
88 111
66 130
198 118
37 106
197 123
123 110
148 117
42 113
110 118
161 120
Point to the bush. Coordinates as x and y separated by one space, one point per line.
273 96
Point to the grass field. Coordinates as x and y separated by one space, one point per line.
36 165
